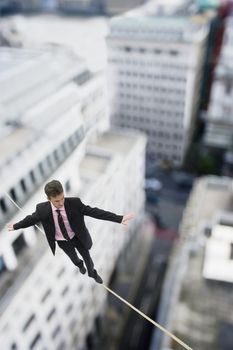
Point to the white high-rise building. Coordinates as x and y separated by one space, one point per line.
219 128
155 58
54 126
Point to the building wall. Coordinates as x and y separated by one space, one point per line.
45 301
154 79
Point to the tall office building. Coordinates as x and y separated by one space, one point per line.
197 293
111 7
155 56
54 126
81 6
219 117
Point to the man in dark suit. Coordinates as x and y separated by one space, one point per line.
63 221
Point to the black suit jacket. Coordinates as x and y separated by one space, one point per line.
75 211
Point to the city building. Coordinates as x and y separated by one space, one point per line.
54 126
114 7
110 7
197 294
218 137
81 6
155 57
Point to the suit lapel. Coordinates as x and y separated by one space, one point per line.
50 217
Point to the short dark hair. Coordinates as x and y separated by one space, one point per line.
53 188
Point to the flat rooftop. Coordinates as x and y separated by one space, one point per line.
218 259
93 165
203 313
11 58
14 141
117 142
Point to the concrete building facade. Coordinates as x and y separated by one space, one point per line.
155 61
55 126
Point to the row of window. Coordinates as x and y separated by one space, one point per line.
143 122
155 51
153 98
44 168
131 110
51 314
176 78
126 85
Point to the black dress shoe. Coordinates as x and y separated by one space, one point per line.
96 277
82 268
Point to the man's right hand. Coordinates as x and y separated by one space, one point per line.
10 227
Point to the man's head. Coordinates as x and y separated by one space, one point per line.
55 193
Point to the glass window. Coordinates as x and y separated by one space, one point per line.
23 185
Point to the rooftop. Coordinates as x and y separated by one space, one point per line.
118 142
93 165
169 20
15 141
204 309
201 312
218 262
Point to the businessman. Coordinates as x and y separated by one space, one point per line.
63 221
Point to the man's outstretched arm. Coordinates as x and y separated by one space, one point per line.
105 215
28 221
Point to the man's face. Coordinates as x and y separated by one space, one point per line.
57 201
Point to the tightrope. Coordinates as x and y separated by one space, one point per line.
149 319
185 346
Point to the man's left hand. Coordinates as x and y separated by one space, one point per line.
127 218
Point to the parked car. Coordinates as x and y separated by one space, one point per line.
153 184
183 179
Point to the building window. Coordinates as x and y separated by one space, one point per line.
67 185
61 272
23 185
64 149
55 153
49 162
19 244
71 142
3 205
228 88
231 252
65 291
46 295
13 194
56 331
35 341
51 314
2 265
41 168
32 176
29 321
69 308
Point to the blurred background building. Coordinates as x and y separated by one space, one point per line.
218 136
84 7
197 292
155 59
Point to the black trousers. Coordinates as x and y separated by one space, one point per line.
69 247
